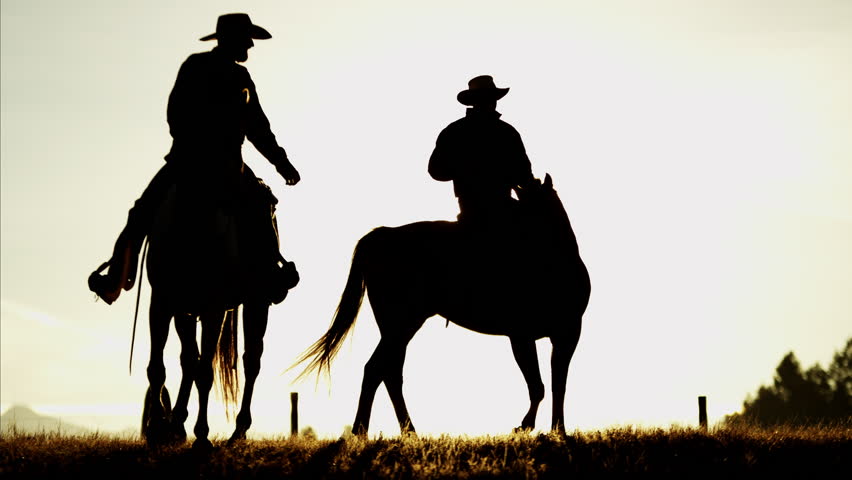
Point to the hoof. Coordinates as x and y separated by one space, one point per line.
177 433
156 424
202 445
156 430
239 435
359 431
522 429
406 429
157 434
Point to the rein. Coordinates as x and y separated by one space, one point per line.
136 313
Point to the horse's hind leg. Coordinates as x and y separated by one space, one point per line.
527 359
385 365
155 421
374 373
211 328
393 381
185 327
255 319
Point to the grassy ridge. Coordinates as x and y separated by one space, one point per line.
808 452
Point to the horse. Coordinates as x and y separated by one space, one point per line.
190 288
415 271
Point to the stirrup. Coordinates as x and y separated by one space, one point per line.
105 286
285 277
121 276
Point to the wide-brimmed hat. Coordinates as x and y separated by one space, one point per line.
237 25
479 89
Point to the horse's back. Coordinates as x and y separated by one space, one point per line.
482 283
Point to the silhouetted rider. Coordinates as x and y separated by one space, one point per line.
212 108
483 156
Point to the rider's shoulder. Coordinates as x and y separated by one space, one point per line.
506 126
198 57
460 123
204 63
454 127
196 62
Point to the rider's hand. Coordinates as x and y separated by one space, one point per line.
288 172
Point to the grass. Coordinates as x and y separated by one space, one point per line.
682 452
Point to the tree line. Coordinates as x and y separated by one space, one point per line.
802 397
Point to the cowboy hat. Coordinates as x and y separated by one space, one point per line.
481 88
237 25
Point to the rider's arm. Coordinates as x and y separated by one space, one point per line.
259 133
522 168
440 163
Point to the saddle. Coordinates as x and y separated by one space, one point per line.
248 235
502 249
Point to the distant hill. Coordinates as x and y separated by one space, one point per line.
25 420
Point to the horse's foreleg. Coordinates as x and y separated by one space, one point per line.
563 350
255 319
185 327
525 355
211 328
154 421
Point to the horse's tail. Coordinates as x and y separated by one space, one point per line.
225 362
323 351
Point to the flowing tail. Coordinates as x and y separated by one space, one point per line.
225 362
323 351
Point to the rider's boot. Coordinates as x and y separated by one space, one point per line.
276 275
121 269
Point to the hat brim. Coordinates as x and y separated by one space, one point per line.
254 31
472 97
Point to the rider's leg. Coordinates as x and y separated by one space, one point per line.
122 265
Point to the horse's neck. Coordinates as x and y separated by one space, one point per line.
548 216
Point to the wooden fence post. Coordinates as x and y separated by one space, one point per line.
294 413
702 412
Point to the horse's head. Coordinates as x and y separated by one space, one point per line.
544 211
535 192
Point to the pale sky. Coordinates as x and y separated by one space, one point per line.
701 149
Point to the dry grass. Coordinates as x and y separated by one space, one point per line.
682 452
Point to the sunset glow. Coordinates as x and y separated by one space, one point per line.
701 149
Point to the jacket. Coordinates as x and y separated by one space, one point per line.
213 107
483 156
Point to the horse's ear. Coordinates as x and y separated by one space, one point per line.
548 182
